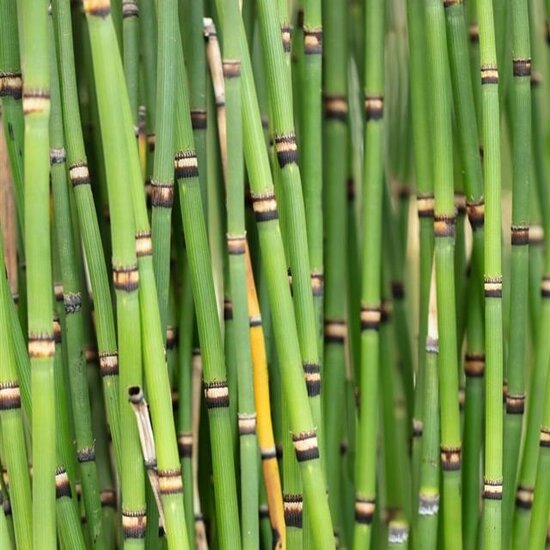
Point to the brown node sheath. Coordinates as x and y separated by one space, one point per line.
97 8
520 235
62 485
305 446
58 292
350 186
198 119
108 364
134 524
417 427
474 365
489 74
144 244
90 354
56 330
371 317
515 404
449 3
398 533
86 454
398 290
473 33
336 107
492 287
41 346
335 331
247 424
312 375
313 41
36 101
536 79
364 510
236 244
79 174
231 68
126 278
185 445
269 454
293 510
216 394
286 149
11 84
72 302
227 309
171 337
492 489
162 194
151 141
524 497
425 205
522 67
170 482
428 504
444 226
58 156
255 321
317 283
263 512
10 396
265 207
460 203
450 458
476 213
544 439
374 108
545 287
129 9
286 37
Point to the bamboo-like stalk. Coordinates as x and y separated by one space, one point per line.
11 88
428 496
535 394
335 153
444 233
191 28
11 421
41 347
519 288
87 217
162 181
424 200
474 369
311 143
371 305
236 246
492 491
126 280
266 440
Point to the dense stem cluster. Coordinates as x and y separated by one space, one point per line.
289 351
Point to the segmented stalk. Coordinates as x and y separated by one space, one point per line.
126 280
492 491
519 287
371 304
41 346
444 233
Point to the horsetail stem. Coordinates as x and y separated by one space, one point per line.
444 233
41 346
371 299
